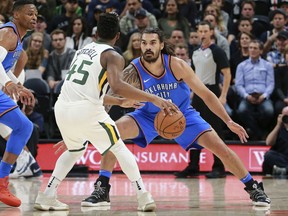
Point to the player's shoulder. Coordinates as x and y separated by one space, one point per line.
8 38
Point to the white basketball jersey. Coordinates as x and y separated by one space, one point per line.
86 79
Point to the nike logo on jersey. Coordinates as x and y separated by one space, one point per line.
146 80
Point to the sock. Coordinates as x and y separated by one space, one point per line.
248 181
63 165
52 186
5 169
139 187
105 173
104 180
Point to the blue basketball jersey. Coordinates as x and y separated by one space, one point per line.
168 87
165 86
12 56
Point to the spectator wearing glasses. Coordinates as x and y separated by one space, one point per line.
59 59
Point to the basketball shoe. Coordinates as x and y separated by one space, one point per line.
146 202
45 203
99 197
26 166
6 196
257 195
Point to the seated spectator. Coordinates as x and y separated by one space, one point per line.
133 49
217 38
3 19
182 52
99 9
219 25
189 10
244 25
177 36
279 19
109 5
172 19
127 22
77 36
194 41
37 54
63 21
60 9
279 59
241 53
276 159
59 59
224 14
254 84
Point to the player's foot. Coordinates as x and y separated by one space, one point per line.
278 171
186 173
99 197
258 196
146 202
45 203
26 166
216 174
6 196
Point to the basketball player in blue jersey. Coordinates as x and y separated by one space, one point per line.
11 34
159 72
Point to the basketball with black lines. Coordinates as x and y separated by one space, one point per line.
170 126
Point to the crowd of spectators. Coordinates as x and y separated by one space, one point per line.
253 34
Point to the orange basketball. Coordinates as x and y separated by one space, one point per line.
170 126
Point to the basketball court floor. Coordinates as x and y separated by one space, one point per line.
193 196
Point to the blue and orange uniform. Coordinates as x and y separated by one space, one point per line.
10 114
167 87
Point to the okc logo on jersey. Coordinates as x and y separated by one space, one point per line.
162 90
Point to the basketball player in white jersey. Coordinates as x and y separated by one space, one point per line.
81 117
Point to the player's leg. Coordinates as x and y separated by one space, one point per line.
72 133
128 129
212 142
21 131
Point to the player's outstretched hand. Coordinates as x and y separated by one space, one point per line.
60 147
129 103
239 130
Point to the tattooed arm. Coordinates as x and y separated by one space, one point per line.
129 75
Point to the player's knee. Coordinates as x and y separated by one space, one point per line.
26 127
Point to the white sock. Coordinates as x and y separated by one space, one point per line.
52 186
139 187
63 165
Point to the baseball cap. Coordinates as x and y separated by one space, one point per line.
282 34
41 18
277 11
141 13
99 8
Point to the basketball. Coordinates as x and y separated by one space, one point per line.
170 126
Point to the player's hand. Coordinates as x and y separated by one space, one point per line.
26 97
239 130
60 147
166 105
129 103
12 90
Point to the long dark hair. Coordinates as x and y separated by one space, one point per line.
168 47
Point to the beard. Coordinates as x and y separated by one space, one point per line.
150 57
